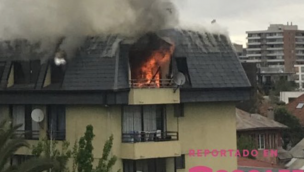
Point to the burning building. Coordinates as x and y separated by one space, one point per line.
160 96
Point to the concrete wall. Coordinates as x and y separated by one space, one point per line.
284 96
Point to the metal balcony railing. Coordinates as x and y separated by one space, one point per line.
153 83
28 134
56 135
145 136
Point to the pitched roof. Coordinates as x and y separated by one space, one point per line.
247 121
297 150
102 64
296 108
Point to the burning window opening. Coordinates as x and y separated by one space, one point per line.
151 64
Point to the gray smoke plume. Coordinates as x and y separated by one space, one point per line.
48 21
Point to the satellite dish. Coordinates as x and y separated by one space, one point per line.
179 79
37 115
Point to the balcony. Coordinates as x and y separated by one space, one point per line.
253 37
254 43
254 49
147 145
274 48
161 92
253 55
28 134
274 36
275 43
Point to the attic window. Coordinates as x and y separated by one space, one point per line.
300 105
1 69
57 74
26 72
183 68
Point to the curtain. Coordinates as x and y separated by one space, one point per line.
149 113
19 116
131 119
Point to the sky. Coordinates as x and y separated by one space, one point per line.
239 16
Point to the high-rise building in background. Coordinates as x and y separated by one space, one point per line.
276 51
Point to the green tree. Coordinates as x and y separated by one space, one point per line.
279 86
84 158
294 134
106 163
10 142
245 143
48 148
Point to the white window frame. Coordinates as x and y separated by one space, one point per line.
261 143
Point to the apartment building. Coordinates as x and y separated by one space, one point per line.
276 51
299 76
156 112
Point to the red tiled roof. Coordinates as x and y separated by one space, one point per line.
297 112
245 162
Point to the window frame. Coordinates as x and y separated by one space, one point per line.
29 76
261 141
181 159
29 133
62 133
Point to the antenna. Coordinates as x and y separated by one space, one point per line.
37 115
179 79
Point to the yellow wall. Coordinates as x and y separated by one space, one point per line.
206 126
105 121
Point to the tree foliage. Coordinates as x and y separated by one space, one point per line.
84 155
245 143
10 142
84 158
49 148
294 134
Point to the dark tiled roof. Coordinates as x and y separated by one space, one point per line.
102 64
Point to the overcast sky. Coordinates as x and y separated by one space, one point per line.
240 16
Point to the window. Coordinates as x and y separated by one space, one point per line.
182 67
180 162
179 110
300 105
146 165
21 114
56 122
143 123
2 65
261 141
26 72
57 73
272 141
19 159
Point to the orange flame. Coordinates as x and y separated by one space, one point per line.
150 70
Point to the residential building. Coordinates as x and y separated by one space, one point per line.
276 51
289 96
156 112
299 76
241 52
264 132
296 108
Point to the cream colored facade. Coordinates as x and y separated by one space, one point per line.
204 126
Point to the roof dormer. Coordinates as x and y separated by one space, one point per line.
24 74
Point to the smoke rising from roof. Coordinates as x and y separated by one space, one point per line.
35 19
49 21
